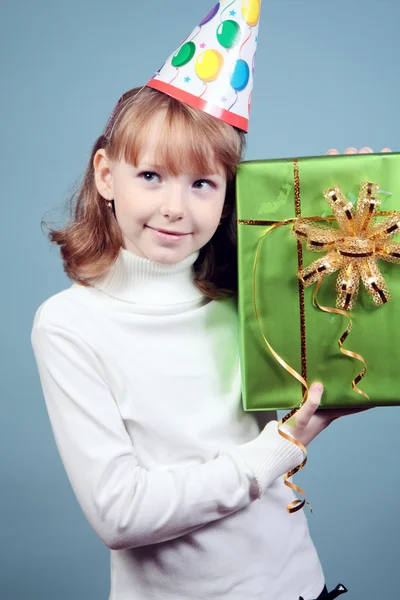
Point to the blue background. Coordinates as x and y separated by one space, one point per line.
327 75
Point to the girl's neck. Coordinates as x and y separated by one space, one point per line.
138 280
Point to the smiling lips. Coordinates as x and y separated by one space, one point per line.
166 232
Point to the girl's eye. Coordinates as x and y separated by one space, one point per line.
202 184
149 176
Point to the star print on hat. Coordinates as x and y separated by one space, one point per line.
213 69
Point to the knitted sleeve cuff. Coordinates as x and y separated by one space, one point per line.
269 456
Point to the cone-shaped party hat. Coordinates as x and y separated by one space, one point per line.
214 67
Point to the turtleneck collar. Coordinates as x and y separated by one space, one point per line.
142 281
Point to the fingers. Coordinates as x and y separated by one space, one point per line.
333 151
353 411
365 150
335 413
331 414
351 150
303 426
311 405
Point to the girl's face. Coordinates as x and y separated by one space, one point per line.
162 217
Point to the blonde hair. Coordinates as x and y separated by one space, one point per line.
91 241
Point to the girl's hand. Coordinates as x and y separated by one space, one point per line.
364 150
308 422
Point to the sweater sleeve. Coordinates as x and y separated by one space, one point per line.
126 505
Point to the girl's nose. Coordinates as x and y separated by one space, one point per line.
173 206
172 213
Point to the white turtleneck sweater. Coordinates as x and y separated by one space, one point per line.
141 379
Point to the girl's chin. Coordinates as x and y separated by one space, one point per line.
168 257
168 254
161 254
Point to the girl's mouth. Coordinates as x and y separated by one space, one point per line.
165 234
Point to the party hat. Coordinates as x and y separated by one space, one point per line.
213 69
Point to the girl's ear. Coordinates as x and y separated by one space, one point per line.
103 175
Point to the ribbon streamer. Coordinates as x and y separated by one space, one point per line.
343 338
296 504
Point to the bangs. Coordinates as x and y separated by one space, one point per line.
189 140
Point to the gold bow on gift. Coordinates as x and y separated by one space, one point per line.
354 247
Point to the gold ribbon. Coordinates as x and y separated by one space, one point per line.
343 338
354 257
296 504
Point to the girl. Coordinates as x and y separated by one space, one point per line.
140 371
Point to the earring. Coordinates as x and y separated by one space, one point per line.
110 204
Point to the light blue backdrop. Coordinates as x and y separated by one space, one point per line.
327 76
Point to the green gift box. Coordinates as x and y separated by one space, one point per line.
275 307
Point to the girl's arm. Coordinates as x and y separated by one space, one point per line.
126 505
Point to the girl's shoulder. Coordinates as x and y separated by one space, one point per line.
64 309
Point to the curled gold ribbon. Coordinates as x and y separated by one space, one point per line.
343 338
296 504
